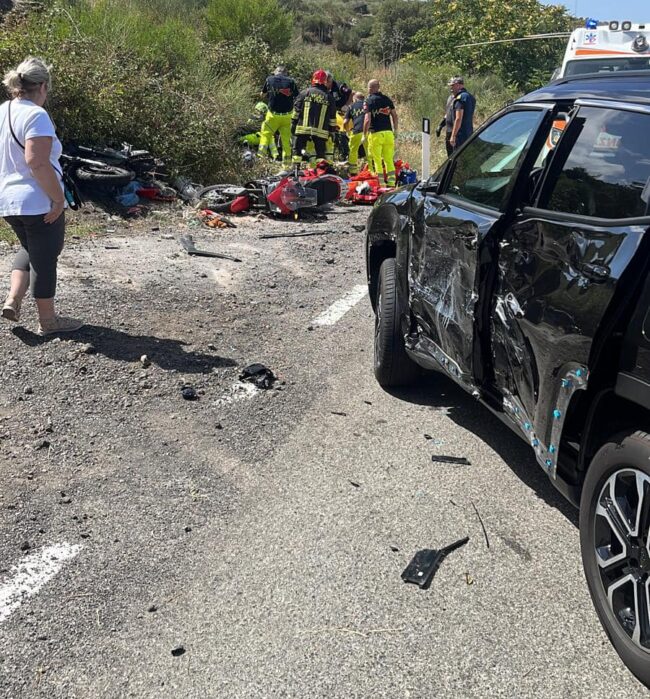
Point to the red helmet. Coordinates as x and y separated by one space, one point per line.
319 77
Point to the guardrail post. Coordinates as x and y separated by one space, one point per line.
426 149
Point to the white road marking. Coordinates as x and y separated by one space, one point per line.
339 308
29 576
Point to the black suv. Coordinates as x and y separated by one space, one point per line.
520 270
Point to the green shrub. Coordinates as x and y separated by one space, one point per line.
235 20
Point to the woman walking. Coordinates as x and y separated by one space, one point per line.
32 198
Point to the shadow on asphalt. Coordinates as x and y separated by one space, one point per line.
437 391
122 347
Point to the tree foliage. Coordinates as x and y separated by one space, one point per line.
459 22
394 27
234 20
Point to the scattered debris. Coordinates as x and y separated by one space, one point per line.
28 390
426 562
468 578
355 484
480 519
188 530
394 549
153 608
214 220
341 414
444 459
189 393
359 227
297 234
145 361
189 246
178 651
25 546
87 348
41 444
259 375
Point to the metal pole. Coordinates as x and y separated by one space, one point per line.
426 148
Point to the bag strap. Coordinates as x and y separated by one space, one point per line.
11 128
13 133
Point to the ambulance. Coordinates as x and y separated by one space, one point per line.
607 47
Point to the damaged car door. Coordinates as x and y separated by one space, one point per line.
562 261
449 257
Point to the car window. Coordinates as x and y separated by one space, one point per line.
487 166
607 172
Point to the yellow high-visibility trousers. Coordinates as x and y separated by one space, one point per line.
381 149
353 158
270 126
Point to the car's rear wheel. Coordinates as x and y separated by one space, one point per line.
393 367
615 543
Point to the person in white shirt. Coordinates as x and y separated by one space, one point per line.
32 198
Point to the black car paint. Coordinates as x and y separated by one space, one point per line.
566 289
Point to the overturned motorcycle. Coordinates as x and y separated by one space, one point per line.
282 195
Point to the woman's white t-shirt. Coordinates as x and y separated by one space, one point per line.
20 193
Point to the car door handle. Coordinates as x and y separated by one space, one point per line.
595 273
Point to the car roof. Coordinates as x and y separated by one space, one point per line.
634 86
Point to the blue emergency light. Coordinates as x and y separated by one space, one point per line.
591 23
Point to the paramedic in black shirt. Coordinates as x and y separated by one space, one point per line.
354 116
380 124
281 92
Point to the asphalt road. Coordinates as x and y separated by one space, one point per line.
261 534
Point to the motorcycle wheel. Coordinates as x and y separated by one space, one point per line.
103 175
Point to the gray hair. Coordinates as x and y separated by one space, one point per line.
27 77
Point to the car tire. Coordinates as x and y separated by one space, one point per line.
393 366
615 546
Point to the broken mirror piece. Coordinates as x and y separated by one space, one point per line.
426 562
258 374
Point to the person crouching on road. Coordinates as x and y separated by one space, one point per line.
32 199
380 126
314 118
281 91
354 117
459 116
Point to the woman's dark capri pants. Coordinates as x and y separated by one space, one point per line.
41 244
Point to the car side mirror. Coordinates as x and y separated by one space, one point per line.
429 186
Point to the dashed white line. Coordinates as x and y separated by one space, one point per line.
339 308
29 576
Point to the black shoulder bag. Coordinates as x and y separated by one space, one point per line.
70 190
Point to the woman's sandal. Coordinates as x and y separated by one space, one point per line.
11 310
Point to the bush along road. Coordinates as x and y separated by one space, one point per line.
167 530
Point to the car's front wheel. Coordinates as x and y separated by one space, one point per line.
393 367
615 543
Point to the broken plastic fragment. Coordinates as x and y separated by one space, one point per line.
557 414
444 459
258 374
426 562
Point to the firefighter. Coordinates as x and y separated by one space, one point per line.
354 118
342 95
314 118
379 126
459 115
281 91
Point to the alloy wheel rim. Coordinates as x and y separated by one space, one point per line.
621 540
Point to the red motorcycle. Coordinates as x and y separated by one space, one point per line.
282 195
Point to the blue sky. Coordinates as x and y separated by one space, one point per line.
634 10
